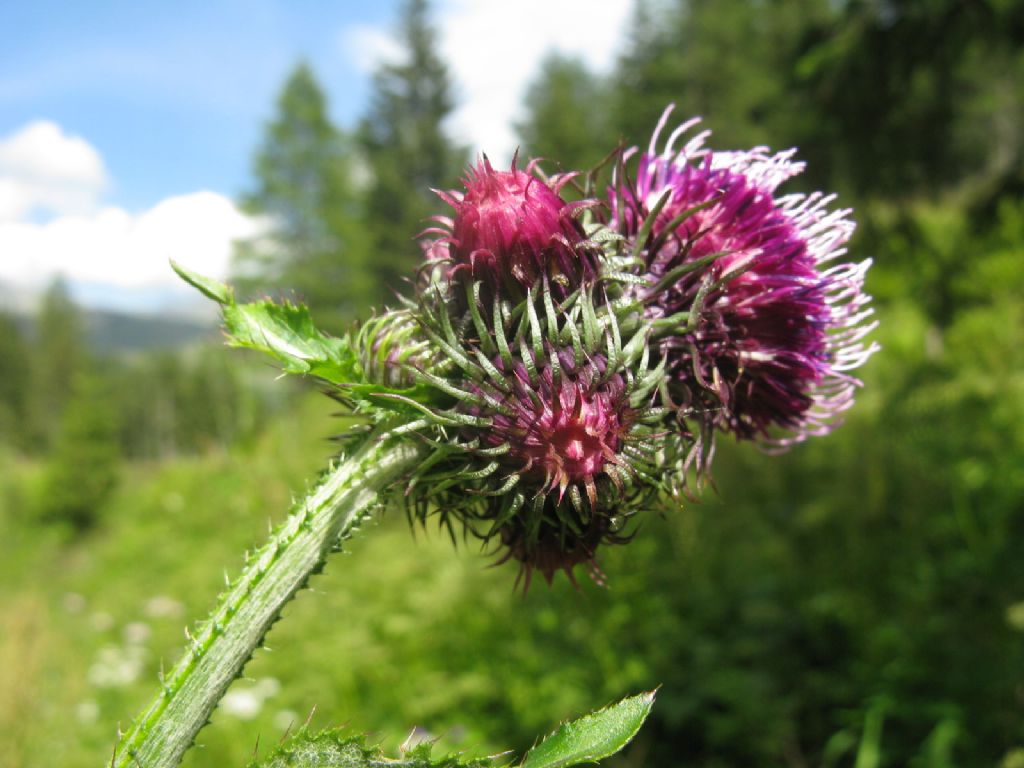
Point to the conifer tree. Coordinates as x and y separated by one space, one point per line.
58 353
647 74
732 62
83 466
14 381
912 98
406 148
316 245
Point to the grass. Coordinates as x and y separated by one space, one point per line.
775 618
86 622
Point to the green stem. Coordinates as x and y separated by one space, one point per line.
332 510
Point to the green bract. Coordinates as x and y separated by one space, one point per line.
549 435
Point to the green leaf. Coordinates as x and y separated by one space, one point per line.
209 287
594 737
283 331
332 749
286 332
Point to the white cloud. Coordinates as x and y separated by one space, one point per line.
368 46
114 247
494 50
44 169
495 53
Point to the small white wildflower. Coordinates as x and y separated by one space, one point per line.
101 621
116 666
244 704
87 711
163 607
74 602
136 633
286 719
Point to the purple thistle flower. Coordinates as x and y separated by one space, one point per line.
509 229
545 432
776 332
565 428
563 431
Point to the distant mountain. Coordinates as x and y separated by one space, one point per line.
113 332
118 332
171 321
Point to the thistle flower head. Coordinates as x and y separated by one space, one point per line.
549 429
562 430
509 229
563 425
390 347
739 278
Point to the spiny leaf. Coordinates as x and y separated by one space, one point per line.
286 332
594 737
333 749
209 287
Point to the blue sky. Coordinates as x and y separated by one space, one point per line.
127 129
173 95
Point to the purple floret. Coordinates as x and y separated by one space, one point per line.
776 333
508 230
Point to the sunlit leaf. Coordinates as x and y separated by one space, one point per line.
209 287
594 737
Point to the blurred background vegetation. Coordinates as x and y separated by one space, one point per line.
856 602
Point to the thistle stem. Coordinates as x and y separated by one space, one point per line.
330 512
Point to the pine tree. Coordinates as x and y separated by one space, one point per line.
304 186
83 466
58 354
406 148
731 62
914 98
647 74
14 382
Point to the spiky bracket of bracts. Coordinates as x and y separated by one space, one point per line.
390 348
549 435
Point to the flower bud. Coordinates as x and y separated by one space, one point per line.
509 229
391 348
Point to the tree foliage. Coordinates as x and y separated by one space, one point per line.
58 354
406 148
317 241
83 464
14 381
909 98
567 121
192 401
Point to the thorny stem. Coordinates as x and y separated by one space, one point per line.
331 511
